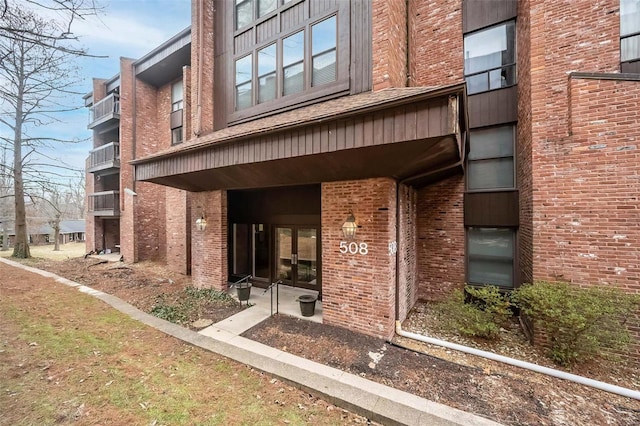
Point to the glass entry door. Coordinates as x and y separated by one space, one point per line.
296 256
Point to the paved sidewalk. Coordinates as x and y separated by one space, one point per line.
378 402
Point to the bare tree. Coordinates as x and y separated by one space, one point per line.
37 75
66 12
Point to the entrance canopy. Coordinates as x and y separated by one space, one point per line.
415 134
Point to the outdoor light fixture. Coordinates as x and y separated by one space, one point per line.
201 223
349 227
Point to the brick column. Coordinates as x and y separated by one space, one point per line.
209 247
359 288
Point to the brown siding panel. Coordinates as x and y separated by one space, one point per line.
494 107
630 67
243 42
478 14
491 209
267 29
293 16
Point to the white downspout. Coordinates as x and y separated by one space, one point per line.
629 393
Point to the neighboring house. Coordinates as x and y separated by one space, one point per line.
70 230
468 141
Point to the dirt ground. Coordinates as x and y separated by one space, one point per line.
505 394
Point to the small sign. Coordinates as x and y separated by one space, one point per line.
354 248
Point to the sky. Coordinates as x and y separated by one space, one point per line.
124 28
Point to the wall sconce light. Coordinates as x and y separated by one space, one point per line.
349 227
201 223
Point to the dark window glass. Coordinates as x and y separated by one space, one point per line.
244 94
490 254
267 73
490 163
176 136
244 13
293 63
323 51
489 58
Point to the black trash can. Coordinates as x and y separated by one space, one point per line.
244 291
307 305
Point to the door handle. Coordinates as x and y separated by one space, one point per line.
294 259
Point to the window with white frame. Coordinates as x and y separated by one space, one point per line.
490 256
490 162
490 58
629 30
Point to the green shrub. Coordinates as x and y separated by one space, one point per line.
480 316
580 323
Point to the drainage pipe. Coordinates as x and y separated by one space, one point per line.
618 390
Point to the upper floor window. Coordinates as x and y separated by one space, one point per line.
306 58
629 30
490 163
249 10
177 96
490 58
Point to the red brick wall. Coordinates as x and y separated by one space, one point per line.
359 289
389 44
127 226
587 40
435 42
588 227
524 173
178 229
152 134
202 116
407 256
209 247
440 245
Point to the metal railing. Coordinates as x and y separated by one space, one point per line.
104 154
270 288
104 201
108 105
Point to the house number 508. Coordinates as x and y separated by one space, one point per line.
353 248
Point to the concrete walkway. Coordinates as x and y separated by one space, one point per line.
377 402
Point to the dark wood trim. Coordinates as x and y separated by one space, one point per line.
478 14
492 209
493 107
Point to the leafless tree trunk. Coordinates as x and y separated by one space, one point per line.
37 73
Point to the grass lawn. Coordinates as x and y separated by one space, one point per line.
66 357
66 251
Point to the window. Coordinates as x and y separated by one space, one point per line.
490 163
491 256
323 52
296 60
293 64
244 85
629 30
246 9
176 135
177 96
490 59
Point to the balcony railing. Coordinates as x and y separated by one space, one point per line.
105 158
105 203
105 110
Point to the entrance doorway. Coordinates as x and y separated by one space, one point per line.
296 256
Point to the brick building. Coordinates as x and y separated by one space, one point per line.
471 141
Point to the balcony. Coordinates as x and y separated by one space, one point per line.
105 159
106 111
104 204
